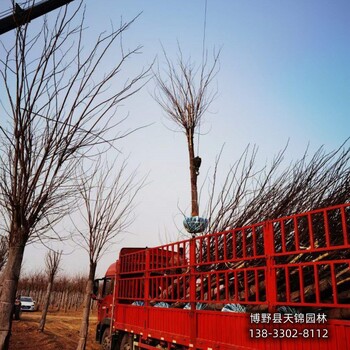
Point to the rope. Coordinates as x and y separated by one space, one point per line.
204 29
203 53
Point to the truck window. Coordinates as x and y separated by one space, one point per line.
108 286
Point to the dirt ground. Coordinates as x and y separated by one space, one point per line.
61 332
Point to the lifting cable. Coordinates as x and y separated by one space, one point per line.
203 60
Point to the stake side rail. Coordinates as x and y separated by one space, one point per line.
299 263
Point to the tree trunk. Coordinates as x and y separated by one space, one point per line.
60 300
193 176
66 301
45 306
9 283
84 328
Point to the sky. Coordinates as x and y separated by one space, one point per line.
284 77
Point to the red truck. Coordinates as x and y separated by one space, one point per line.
279 284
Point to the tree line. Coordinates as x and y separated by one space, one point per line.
67 292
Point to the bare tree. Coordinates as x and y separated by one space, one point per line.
61 105
184 95
52 262
250 194
108 196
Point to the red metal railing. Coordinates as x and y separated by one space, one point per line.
301 260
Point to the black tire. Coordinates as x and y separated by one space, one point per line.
106 341
126 342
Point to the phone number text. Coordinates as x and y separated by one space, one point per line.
288 333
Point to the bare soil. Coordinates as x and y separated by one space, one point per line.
61 332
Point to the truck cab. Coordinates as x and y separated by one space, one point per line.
103 293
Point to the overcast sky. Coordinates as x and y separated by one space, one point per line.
284 75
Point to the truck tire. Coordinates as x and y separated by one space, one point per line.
106 342
126 342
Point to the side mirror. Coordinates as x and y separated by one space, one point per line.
95 289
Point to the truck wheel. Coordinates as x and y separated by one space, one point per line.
106 340
126 343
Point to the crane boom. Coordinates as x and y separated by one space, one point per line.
21 16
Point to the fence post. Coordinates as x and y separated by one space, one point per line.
193 314
147 275
147 288
271 287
